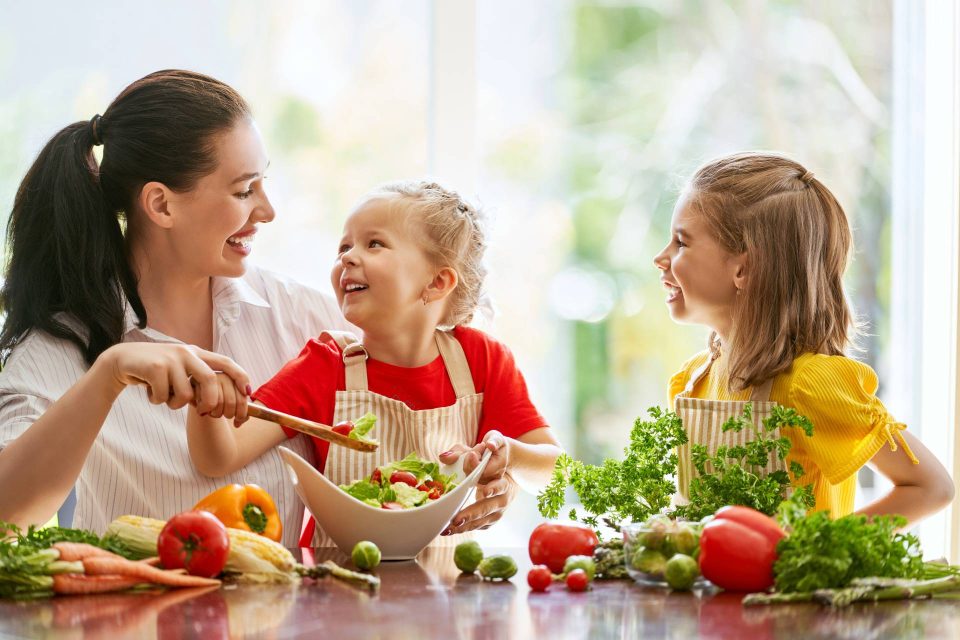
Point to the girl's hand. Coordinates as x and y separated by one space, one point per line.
230 402
174 374
495 489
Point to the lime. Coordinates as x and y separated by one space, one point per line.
467 556
366 555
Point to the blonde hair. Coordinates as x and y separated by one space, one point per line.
455 238
797 242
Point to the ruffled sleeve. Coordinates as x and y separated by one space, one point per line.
678 381
850 423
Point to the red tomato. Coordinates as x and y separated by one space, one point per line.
392 506
577 580
376 477
195 541
551 544
735 557
539 577
343 428
759 522
403 476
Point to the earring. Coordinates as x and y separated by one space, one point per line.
425 300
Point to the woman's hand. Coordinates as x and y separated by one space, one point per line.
495 489
177 375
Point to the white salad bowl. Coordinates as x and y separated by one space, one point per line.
400 534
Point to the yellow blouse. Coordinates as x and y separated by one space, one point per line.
838 395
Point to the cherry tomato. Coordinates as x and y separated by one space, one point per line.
343 428
577 580
195 541
392 506
403 476
539 577
376 477
551 544
433 489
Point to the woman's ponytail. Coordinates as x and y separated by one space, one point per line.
67 260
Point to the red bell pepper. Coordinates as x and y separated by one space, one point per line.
738 549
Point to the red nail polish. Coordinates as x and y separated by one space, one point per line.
446 453
249 390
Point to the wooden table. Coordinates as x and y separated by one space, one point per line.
430 599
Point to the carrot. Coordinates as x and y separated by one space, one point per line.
75 583
73 551
98 566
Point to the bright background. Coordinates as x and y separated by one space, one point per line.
574 123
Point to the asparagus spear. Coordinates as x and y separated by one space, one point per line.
862 590
331 568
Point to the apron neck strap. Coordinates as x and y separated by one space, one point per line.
458 369
354 358
759 393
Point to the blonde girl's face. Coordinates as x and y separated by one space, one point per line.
381 272
700 276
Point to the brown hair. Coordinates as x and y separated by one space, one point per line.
68 272
455 238
797 242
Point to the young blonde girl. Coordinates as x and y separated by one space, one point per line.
409 274
757 253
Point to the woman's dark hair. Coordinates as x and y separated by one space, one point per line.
69 270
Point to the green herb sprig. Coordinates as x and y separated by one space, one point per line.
821 553
632 489
736 475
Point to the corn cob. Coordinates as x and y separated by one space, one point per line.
252 557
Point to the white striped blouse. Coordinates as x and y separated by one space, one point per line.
139 463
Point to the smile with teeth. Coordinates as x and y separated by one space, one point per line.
354 286
243 242
673 292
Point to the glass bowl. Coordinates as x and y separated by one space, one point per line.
647 547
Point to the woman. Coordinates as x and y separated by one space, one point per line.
104 322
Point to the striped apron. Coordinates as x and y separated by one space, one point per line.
400 429
703 421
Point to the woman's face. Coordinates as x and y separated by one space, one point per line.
700 276
215 222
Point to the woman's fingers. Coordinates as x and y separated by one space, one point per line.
218 362
453 453
482 512
181 391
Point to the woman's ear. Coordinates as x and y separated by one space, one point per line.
154 201
740 271
442 285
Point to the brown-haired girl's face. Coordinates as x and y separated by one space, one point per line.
218 218
700 276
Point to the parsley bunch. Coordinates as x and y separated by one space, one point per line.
821 553
735 475
631 489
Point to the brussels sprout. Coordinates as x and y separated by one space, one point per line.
365 555
649 561
681 572
685 539
498 568
467 556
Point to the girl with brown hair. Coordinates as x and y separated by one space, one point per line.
757 253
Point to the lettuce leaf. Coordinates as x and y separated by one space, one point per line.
362 490
363 426
409 496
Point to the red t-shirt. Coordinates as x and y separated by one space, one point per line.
307 385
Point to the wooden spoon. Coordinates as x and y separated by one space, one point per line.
314 429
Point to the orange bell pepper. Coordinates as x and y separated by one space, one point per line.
246 507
